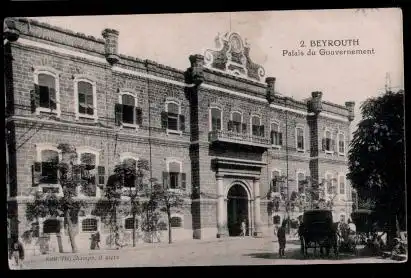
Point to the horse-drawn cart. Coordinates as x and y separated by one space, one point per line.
318 231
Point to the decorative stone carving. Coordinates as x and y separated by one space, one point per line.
232 55
350 106
111 46
316 102
196 70
10 32
270 88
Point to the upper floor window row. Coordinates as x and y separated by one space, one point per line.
236 124
334 143
45 97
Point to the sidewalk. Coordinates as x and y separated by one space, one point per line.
139 246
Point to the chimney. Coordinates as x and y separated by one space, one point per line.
350 106
197 74
270 81
316 104
111 45
10 32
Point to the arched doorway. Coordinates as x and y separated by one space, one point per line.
237 209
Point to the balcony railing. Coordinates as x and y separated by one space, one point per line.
238 138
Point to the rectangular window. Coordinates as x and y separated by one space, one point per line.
85 98
174 179
46 91
342 185
128 103
236 122
215 119
341 143
276 184
300 139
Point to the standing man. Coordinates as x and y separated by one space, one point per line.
16 252
243 228
282 239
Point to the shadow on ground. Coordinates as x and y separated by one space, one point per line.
295 254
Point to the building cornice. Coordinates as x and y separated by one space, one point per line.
95 130
102 62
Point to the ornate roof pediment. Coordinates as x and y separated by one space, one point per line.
232 55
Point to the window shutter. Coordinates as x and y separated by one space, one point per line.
230 126
333 145
262 131
165 180
139 115
272 137
280 139
323 144
35 98
52 98
182 123
164 120
244 127
101 171
119 113
36 173
183 181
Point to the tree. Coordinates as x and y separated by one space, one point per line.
376 157
131 176
168 199
70 176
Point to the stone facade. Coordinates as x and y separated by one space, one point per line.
207 97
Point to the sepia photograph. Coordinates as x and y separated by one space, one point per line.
205 139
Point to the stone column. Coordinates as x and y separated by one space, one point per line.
257 219
220 206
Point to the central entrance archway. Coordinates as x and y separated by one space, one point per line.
237 210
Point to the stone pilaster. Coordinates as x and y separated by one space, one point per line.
257 214
221 221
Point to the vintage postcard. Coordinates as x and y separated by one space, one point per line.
241 138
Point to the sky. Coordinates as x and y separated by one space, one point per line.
170 38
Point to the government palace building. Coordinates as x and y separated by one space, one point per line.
219 131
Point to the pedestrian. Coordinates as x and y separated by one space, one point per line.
281 239
243 228
117 238
17 252
97 239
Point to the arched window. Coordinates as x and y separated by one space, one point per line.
172 119
216 118
300 138
49 171
176 222
329 182
341 143
327 141
89 225
45 97
257 128
86 98
128 114
236 123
